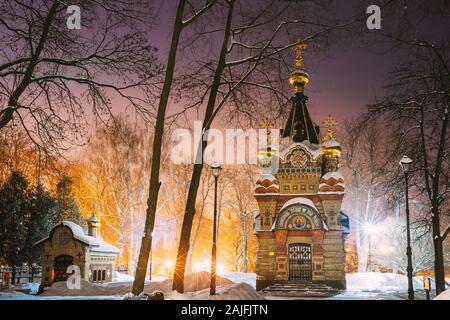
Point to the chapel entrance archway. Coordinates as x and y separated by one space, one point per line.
62 262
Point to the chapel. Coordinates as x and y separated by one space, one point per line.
300 228
67 245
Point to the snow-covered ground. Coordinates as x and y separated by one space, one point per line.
122 277
377 281
239 277
371 281
443 296
23 296
380 286
360 286
235 291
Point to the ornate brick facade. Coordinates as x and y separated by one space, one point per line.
299 192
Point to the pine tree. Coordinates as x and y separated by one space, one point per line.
67 207
14 215
42 215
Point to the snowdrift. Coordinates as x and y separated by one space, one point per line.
121 277
235 291
238 277
194 282
443 296
377 281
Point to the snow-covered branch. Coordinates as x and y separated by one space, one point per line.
445 232
197 14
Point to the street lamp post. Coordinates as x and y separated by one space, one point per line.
405 163
216 171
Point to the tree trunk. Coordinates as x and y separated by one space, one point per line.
183 247
367 219
131 227
358 226
244 245
146 244
194 242
121 240
439 269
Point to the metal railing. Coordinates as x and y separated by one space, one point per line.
12 275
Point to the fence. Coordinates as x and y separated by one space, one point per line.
19 274
122 270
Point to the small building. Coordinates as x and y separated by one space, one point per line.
67 244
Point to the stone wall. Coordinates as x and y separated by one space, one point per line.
265 267
334 256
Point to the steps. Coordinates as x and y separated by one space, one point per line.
306 290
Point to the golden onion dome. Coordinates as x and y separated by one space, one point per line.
299 79
331 148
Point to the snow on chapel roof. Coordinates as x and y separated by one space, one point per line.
304 201
95 244
331 144
333 174
299 200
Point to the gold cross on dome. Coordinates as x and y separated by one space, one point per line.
267 124
329 123
298 52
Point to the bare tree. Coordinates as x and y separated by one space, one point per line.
109 180
146 244
366 161
417 107
52 77
389 243
243 205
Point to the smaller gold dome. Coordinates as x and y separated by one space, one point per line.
299 79
332 151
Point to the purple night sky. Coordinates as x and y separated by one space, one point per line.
344 81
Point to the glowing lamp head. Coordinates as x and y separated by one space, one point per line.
405 163
216 168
